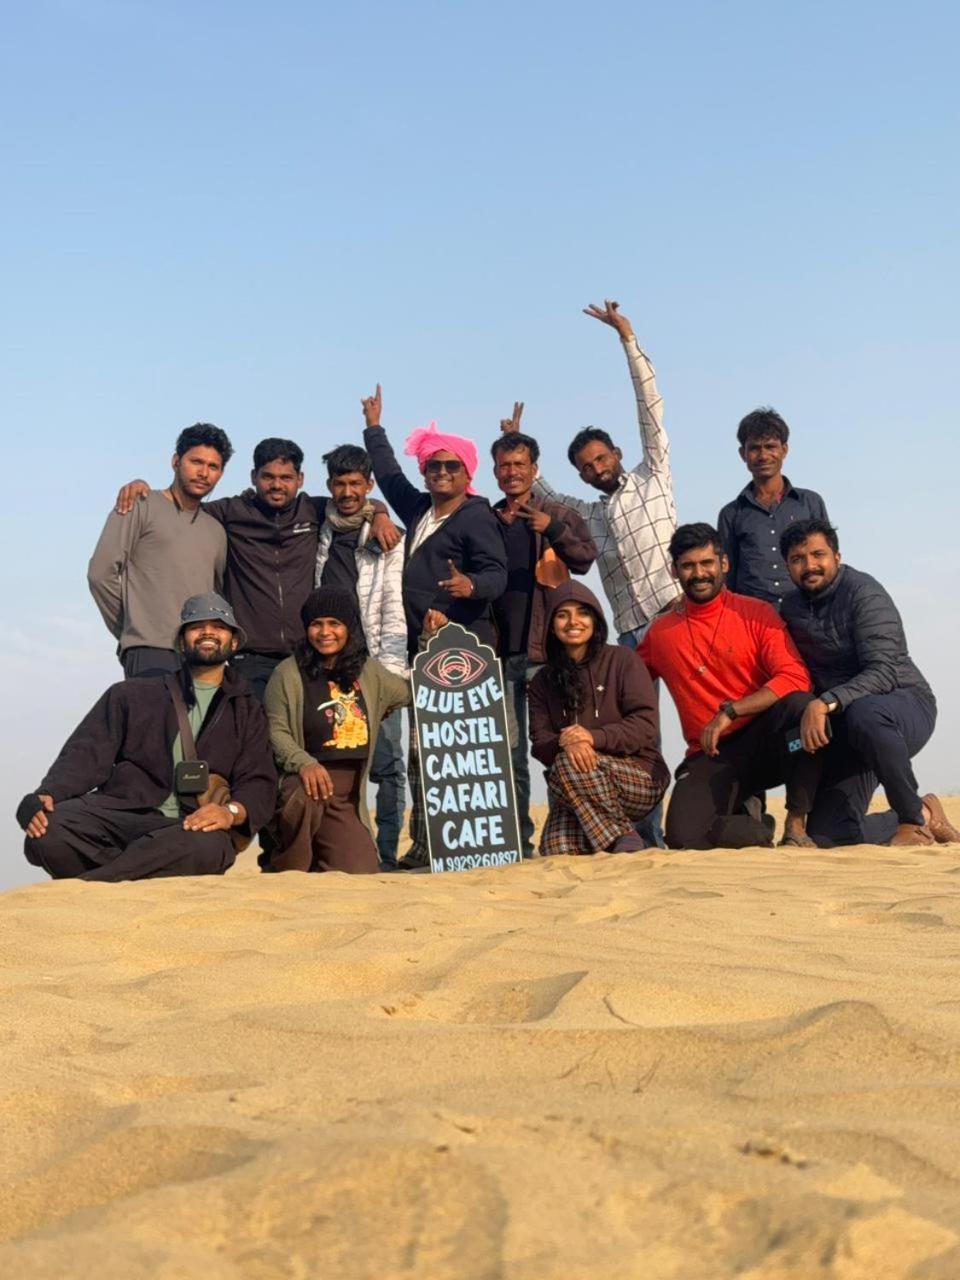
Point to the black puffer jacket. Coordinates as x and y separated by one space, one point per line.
852 640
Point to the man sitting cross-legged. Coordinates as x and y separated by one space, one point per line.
108 808
740 688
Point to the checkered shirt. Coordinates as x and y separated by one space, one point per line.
633 527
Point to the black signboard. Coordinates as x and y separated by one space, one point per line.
463 745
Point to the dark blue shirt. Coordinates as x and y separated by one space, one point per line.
751 538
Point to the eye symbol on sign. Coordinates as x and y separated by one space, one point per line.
454 666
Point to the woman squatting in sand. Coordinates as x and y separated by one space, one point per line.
324 705
594 723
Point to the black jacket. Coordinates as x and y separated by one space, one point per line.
470 537
271 562
123 748
568 535
852 640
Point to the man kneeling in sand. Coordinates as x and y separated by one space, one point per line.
874 710
124 799
740 690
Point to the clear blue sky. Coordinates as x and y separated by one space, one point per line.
250 214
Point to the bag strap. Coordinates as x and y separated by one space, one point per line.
183 721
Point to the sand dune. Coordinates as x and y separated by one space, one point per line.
687 1065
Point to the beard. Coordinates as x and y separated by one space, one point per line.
197 656
812 586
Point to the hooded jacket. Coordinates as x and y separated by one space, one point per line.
470 537
619 704
123 749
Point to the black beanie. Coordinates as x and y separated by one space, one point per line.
331 602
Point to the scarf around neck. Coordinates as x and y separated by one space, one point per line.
343 524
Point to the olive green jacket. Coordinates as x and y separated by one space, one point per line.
381 689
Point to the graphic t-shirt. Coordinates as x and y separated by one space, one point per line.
334 722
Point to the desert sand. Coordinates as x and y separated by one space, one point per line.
659 1065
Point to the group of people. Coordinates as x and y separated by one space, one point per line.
267 638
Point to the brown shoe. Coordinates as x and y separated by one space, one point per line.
938 824
910 833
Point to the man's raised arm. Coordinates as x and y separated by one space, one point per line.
404 497
653 438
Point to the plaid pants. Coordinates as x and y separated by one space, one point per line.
591 811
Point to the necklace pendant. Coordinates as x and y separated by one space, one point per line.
701 670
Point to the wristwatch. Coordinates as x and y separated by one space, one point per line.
233 810
830 701
728 709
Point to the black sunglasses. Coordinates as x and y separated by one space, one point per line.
436 465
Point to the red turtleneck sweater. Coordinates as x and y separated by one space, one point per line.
709 653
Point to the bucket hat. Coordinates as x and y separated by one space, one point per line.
210 607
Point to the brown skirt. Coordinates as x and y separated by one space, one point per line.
323 835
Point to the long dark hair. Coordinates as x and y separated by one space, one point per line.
562 672
347 667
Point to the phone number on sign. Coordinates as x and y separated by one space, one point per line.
470 861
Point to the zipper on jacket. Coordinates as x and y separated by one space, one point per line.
276 521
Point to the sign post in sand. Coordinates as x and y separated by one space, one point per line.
466 771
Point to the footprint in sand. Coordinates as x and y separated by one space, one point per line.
525 1001
883 913
498 1004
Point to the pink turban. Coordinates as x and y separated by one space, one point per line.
423 442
